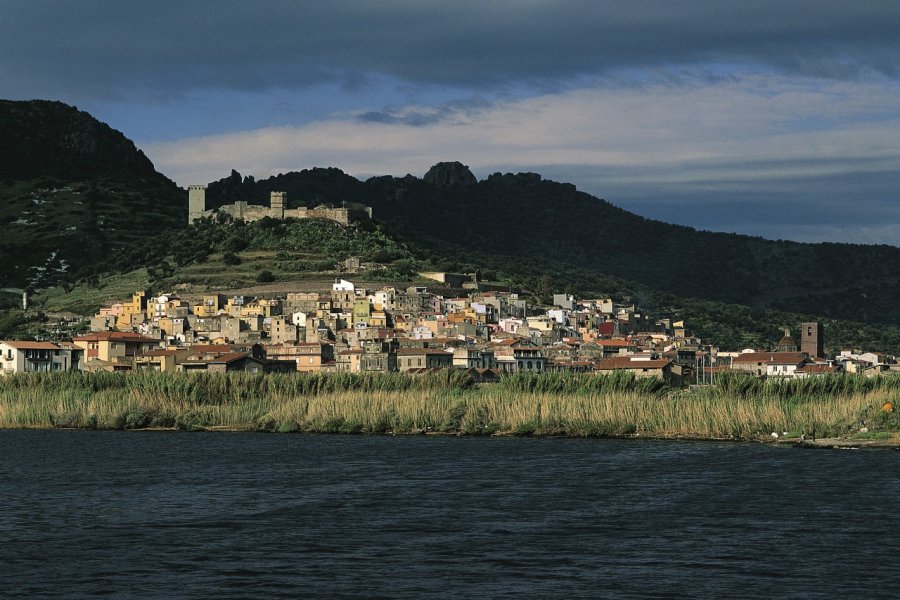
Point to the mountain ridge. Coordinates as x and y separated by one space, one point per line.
72 191
83 194
523 215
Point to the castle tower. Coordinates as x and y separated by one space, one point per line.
276 202
812 339
196 202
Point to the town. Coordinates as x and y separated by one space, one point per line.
454 324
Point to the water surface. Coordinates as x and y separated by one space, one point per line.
151 514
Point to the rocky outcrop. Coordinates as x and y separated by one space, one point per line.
450 174
52 139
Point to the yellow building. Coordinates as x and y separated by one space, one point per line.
166 361
209 306
138 304
323 308
361 310
115 346
262 308
378 319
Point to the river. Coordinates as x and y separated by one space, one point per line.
196 515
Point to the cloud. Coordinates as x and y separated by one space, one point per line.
743 145
456 111
109 49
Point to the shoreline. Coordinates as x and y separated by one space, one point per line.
827 443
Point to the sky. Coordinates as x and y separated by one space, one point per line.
772 118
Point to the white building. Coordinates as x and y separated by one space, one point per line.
342 285
21 357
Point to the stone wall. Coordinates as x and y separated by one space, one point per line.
253 212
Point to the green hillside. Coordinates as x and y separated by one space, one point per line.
523 216
82 209
73 191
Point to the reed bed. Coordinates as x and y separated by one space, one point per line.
737 407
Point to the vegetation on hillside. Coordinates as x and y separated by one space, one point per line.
79 203
513 216
289 247
72 191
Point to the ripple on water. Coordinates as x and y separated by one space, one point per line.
235 515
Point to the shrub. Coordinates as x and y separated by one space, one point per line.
265 276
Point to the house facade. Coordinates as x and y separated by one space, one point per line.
25 357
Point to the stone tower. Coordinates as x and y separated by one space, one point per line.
276 203
812 339
196 202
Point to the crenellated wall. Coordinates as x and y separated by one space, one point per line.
253 212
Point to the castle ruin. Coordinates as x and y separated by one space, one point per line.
252 212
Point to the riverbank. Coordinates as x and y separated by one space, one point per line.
573 405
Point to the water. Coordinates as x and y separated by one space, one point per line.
150 514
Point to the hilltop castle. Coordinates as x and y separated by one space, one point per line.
275 210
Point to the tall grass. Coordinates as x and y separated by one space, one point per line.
738 407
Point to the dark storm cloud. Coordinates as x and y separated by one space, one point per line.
424 116
108 47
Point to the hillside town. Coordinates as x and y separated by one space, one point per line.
451 325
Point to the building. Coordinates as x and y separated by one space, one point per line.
812 339
24 357
277 209
787 343
166 361
472 358
770 364
639 366
115 346
310 357
423 358
235 361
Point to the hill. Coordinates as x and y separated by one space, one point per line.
80 203
72 191
514 216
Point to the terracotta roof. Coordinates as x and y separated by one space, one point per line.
615 343
625 362
220 348
222 358
114 336
818 368
160 353
771 358
227 358
25 345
